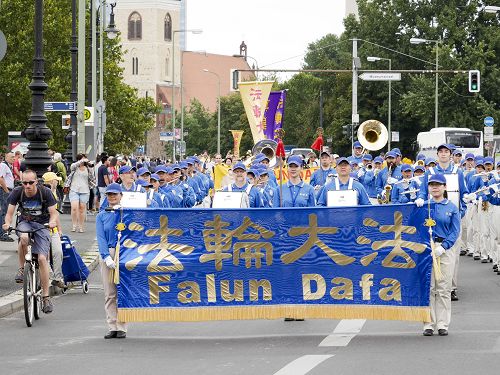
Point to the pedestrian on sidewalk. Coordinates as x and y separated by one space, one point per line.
6 186
107 237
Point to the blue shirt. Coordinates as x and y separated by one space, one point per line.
362 195
254 197
300 195
319 177
368 182
356 159
381 180
447 218
188 195
107 235
398 193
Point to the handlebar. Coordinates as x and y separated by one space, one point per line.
11 229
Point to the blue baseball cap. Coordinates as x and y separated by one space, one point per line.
114 188
420 157
406 168
125 169
254 171
143 183
469 156
182 165
378 159
155 177
295 159
498 163
189 161
397 151
419 168
261 157
175 167
196 159
479 162
390 154
438 177
457 152
446 146
357 144
429 161
161 168
142 171
452 146
368 157
239 165
489 160
342 160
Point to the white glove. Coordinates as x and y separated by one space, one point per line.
419 202
117 207
392 180
110 263
361 173
438 251
494 188
469 197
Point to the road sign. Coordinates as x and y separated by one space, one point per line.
65 122
166 136
395 136
489 121
59 106
488 134
3 45
380 76
88 116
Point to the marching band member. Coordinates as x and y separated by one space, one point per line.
457 157
324 173
253 176
263 159
357 153
344 182
420 161
400 191
187 167
445 234
148 187
430 163
159 197
456 191
386 176
265 188
241 185
143 174
369 178
127 177
397 161
296 193
107 236
180 187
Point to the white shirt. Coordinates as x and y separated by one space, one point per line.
7 175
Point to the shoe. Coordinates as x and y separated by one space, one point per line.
80 230
73 229
59 283
428 332
470 254
463 252
121 334
47 306
19 276
484 260
443 332
495 267
289 319
6 238
477 257
454 296
110 335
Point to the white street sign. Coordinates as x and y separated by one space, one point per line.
380 76
395 136
488 134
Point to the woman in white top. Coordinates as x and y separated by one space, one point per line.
80 181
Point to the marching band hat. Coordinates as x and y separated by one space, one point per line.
143 183
295 159
452 146
175 166
498 164
335 156
183 165
479 162
342 160
125 169
489 160
419 168
324 153
155 177
357 144
445 145
420 157
114 188
429 161
406 168
390 154
142 171
397 151
469 156
189 161
254 171
239 165
438 177
378 159
261 157
161 168
368 157
457 152
170 170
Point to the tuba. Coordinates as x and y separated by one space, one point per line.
266 147
373 135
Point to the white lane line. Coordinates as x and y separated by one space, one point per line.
345 331
302 365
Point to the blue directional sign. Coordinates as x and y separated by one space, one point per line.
59 106
489 121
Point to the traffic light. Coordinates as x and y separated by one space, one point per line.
347 130
236 79
474 80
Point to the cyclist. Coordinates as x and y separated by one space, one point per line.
37 207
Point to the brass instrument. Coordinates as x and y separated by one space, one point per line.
266 147
387 196
484 205
373 135
421 163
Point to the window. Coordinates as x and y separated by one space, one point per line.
135 66
168 27
134 26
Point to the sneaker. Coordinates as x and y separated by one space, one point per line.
6 238
47 306
73 229
428 332
443 332
19 276
454 296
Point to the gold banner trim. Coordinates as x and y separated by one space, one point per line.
197 314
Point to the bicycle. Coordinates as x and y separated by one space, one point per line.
32 286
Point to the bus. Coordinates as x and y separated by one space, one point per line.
465 140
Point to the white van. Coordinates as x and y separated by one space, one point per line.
464 139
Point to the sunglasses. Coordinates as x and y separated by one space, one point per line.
28 182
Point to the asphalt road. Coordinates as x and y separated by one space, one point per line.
71 341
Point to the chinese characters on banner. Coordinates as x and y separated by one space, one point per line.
273 116
353 262
254 96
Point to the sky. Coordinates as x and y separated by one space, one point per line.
276 32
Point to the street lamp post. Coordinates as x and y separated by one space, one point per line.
218 109
389 116
37 158
193 31
420 41
491 9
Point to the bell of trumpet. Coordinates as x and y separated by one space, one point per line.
373 135
266 147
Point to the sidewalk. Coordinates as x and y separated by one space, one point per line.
10 292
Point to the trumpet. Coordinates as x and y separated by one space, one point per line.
387 195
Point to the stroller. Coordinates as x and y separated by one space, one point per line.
73 268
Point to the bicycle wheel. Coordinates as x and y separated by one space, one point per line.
37 298
28 294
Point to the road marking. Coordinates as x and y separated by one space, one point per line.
345 331
303 365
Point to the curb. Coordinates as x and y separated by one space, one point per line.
13 302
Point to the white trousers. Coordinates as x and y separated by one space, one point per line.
487 232
440 295
110 298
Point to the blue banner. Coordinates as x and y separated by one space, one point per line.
203 264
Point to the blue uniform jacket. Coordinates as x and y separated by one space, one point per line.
107 235
300 195
319 177
362 195
255 197
447 218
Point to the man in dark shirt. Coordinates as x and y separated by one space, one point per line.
103 179
37 207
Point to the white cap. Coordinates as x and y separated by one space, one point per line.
335 156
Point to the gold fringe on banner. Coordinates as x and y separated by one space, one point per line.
197 314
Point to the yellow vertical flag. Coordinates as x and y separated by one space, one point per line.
254 96
222 176
237 135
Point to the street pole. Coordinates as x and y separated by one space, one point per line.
81 76
70 154
173 95
218 109
389 127
436 100
37 158
355 116
182 105
100 140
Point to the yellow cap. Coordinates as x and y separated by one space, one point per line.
50 176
